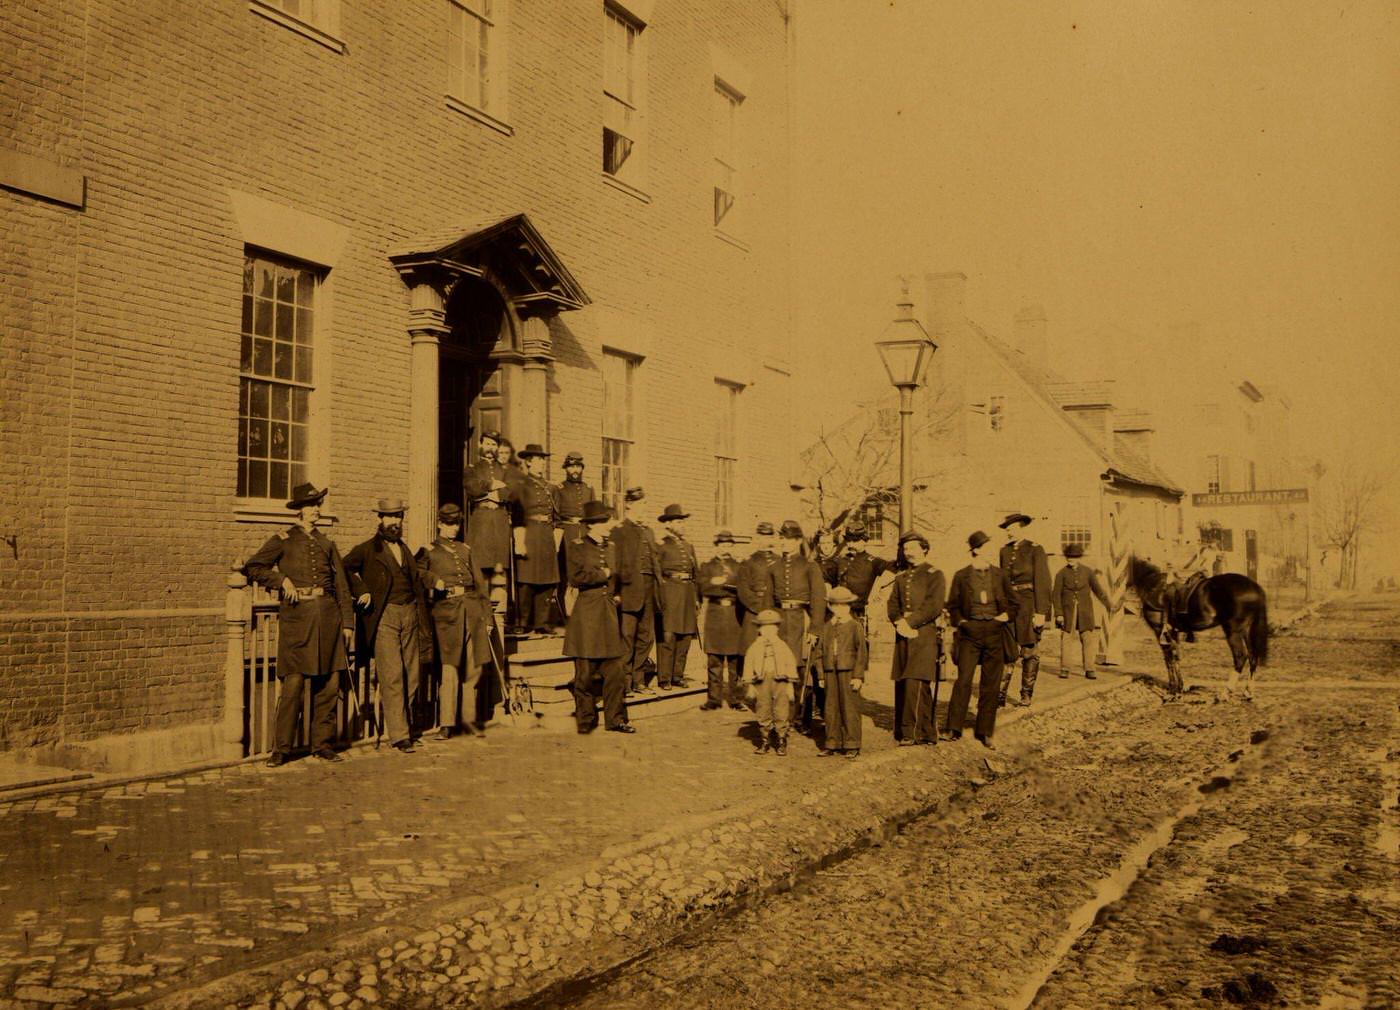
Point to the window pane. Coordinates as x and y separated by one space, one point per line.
301 403
277 480
263 280
281 440
262 356
247 324
286 284
298 442
298 474
258 399
245 353
281 403
242 436
257 478
304 330
262 318
282 360
303 364
284 321
257 439
243 397
242 478
305 286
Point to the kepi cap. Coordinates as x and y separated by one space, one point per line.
634 493
764 529
450 514
724 537
790 529
913 536
574 459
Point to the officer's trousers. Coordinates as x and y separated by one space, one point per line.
979 644
639 632
715 666
913 711
842 715
532 603
396 667
325 689
671 655
594 677
456 693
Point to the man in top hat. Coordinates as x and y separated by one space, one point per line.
488 500
855 568
915 604
570 495
719 618
980 605
1024 563
680 596
799 596
395 625
461 620
639 569
754 586
1072 606
536 565
314 623
591 635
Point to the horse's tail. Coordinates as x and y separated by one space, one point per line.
1259 633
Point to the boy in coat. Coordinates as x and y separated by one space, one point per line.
844 657
914 606
772 668
719 619
980 605
314 623
457 591
1072 604
592 636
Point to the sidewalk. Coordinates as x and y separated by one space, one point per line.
126 892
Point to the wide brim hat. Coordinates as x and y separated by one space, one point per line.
595 512
574 459
307 494
390 506
768 617
790 529
840 594
1074 551
634 494
724 537
977 539
532 449
450 514
764 529
1014 518
672 512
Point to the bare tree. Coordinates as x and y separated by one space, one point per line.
1350 504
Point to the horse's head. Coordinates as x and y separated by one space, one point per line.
1143 575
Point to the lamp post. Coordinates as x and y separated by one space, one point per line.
906 350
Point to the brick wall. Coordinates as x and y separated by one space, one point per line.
121 357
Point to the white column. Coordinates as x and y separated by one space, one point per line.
426 327
532 405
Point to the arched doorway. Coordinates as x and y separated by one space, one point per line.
473 393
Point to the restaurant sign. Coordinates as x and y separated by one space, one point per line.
1286 496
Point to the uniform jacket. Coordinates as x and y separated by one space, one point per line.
917 596
757 659
755 591
843 647
309 636
569 496
369 567
1072 598
792 577
593 630
460 620
488 526
533 508
857 572
678 597
1024 563
719 590
637 557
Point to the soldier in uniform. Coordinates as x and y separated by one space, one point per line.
719 619
591 636
536 567
314 623
488 521
569 498
980 603
754 587
914 607
461 619
855 568
679 598
799 595
1072 605
395 626
639 570
1024 563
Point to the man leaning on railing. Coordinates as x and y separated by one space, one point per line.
314 622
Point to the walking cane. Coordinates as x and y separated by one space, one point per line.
496 664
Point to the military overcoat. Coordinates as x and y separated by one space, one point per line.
637 555
678 592
917 595
593 630
719 591
488 525
534 510
309 639
755 591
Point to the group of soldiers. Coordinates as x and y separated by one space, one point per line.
780 630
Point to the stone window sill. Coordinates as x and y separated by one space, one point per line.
270 513
626 187
297 25
484 118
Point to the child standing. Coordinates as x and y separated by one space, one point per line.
844 656
772 668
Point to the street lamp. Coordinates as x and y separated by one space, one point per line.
906 349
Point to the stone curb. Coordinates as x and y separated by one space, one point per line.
512 947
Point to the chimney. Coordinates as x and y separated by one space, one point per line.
1134 429
1030 327
947 311
1091 405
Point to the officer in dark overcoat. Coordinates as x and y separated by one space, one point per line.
855 568
395 625
570 495
799 596
315 623
1072 607
679 598
639 569
721 635
980 605
488 522
754 586
1024 563
914 606
457 592
591 635
536 567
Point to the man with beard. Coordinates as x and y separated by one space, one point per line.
591 636
314 623
570 495
536 571
754 587
679 598
799 596
855 568
488 521
395 626
1025 566
639 570
915 605
461 620
980 604
719 591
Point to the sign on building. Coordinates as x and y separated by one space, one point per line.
1285 496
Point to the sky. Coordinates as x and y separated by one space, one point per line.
1131 166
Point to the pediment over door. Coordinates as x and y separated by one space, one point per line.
510 252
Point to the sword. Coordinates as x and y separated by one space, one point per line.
496 664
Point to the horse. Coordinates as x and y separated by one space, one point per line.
1234 602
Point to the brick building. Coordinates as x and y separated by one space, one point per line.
328 239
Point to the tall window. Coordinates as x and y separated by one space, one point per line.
873 512
726 450
996 412
321 15
469 52
275 375
726 114
1212 474
622 93
619 400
